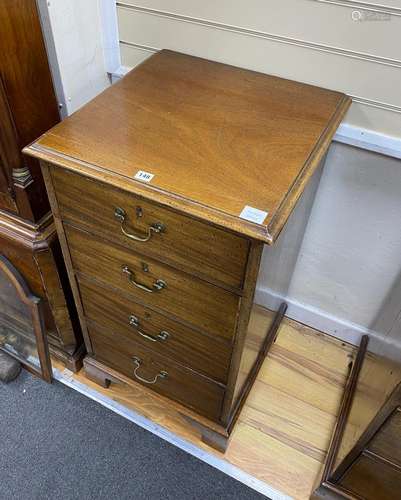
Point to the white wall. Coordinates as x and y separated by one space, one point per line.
76 28
351 46
347 279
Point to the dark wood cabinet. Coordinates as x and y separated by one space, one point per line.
28 105
28 239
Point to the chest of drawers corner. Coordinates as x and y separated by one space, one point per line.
165 191
161 307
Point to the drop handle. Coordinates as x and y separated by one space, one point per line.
121 215
157 286
161 337
138 362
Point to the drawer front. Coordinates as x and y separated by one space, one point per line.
158 373
372 479
387 442
201 304
185 243
155 331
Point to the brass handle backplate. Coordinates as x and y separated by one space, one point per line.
157 285
121 215
161 337
137 361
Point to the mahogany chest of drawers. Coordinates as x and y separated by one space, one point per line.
165 189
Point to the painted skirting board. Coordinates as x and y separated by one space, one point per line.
383 344
313 317
369 140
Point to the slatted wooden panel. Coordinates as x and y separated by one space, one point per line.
334 44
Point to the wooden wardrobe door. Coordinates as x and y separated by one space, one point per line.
6 198
9 153
28 101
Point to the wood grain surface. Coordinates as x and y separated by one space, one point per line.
33 249
367 431
377 379
10 156
387 443
28 89
197 302
185 243
284 429
200 352
180 384
372 479
216 139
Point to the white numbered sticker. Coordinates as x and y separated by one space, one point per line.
253 214
143 176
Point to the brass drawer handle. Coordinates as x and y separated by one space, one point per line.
121 215
157 285
162 336
162 374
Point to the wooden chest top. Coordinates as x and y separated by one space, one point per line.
216 139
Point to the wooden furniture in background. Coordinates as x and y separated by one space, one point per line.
28 238
164 190
22 326
364 459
